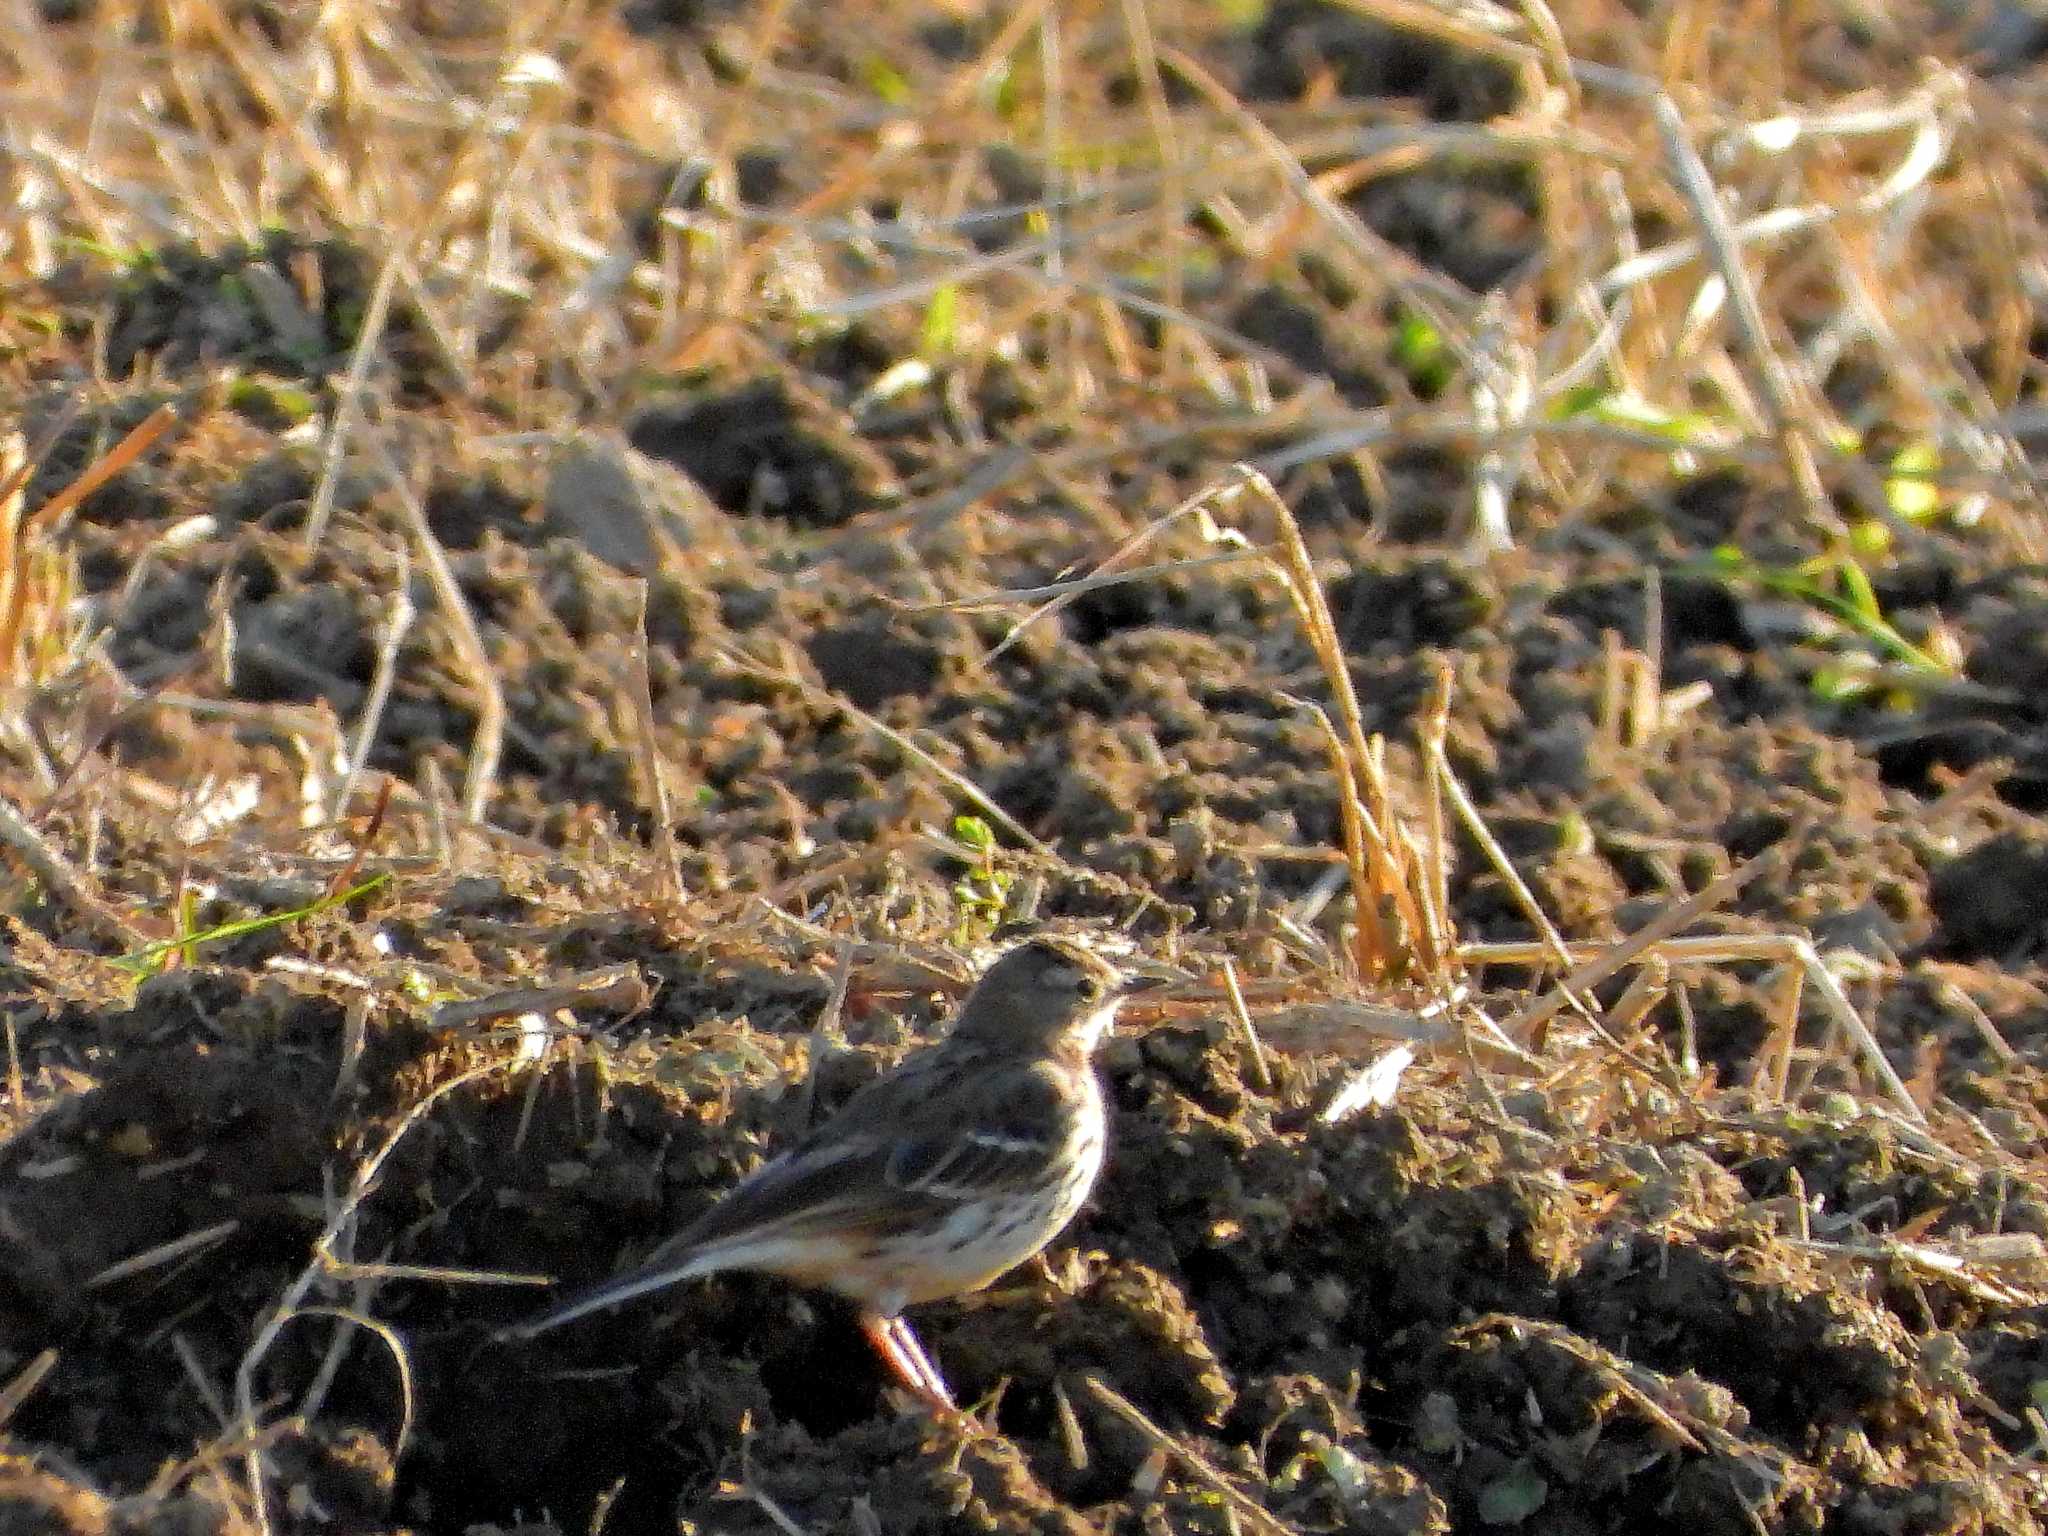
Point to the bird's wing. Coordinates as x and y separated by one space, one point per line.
899 1155
814 1183
990 1157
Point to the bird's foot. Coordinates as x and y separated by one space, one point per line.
911 1366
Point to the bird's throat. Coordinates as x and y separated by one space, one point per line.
1087 1034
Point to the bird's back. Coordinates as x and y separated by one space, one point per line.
891 1206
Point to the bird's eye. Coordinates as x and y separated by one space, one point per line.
1090 987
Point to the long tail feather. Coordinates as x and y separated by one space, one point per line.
611 1293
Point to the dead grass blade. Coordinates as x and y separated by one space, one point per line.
1791 411
1655 938
398 622
621 988
132 446
1386 878
400 1357
1252 1511
17 1091
162 1254
648 747
24 1383
487 747
19 589
1612 958
326 1262
1402 923
1060 592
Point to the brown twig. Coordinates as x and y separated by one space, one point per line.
1260 1517
24 1382
614 988
640 689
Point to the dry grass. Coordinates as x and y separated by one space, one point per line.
1879 225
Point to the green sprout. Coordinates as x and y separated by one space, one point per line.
151 958
1838 586
132 260
271 402
1911 489
982 894
939 336
885 80
1620 408
1421 354
999 89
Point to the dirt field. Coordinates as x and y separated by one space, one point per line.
532 515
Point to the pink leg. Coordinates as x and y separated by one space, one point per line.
905 1357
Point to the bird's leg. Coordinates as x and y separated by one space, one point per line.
913 1347
906 1358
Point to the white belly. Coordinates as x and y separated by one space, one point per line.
980 1242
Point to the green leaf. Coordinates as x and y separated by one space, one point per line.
1856 606
998 90
1574 834
1839 1108
1839 685
1857 589
1910 489
134 261
1421 353
1621 409
187 947
1729 557
885 80
941 328
145 959
1577 401
1870 539
974 833
264 399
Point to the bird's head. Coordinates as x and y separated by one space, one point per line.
1045 993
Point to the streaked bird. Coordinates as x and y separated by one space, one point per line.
934 1179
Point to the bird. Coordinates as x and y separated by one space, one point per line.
934 1179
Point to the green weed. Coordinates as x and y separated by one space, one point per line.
150 959
1836 585
982 894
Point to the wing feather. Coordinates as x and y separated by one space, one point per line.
968 1165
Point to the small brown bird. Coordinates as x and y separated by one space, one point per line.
935 1178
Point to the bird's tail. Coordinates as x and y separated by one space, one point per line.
663 1271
